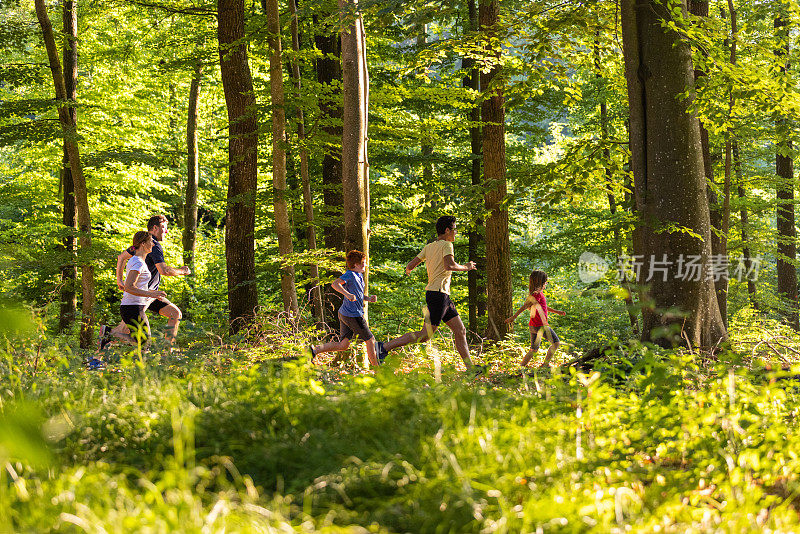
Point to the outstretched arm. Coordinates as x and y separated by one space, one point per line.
412 264
166 270
130 287
522 308
557 312
451 265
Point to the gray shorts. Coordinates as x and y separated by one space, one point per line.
539 333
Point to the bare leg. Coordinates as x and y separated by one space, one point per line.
174 316
460 339
332 346
121 328
373 358
528 356
419 336
551 350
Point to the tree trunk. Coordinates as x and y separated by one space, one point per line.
669 181
282 226
192 170
498 262
747 256
243 164
784 168
355 98
81 196
719 241
329 73
476 285
308 200
69 273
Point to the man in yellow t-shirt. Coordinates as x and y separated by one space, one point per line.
440 264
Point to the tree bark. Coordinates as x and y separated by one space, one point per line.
192 169
355 99
81 195
719 241
308 200
282 226
329 74
243 164
747 256
667 161
69 272
784 168
498 263
476 282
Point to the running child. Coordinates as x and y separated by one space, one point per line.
351 312
538 325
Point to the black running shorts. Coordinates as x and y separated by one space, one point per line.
440 307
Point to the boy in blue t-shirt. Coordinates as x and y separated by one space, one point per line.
351 312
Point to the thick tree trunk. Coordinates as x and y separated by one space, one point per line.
243 163
282 225
81 196
476 284
669 181
719 241
308 201
355 97
784 168
747 256
498 262
69 272
192 170
329 74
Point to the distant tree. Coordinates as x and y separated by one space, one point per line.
240 219
69 274
70 133
784 168
498 260
192 169
669 179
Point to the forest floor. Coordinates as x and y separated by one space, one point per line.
251 437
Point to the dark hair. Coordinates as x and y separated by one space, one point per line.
536 281
140 237
353 257
444 223
155 220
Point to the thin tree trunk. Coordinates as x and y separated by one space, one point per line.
69 273
308 200
243 164
355 89
192 169
747 256
476 285
282 225
784 168
669 180
498 263
81 198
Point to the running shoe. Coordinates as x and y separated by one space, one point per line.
105 337
380 352
95 364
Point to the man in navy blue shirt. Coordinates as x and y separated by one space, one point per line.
157 226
